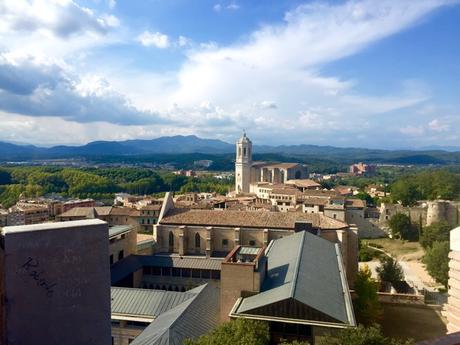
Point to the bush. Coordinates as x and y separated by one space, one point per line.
367 254
437 261
389 270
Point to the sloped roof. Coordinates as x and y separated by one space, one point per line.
190 319
144 302
119 230
87 212
307 270
303 183
249 219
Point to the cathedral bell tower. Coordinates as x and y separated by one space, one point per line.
243 164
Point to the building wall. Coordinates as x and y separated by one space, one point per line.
235 279
123 334
57 284
184 238
125 244
367 227
348 240
453 301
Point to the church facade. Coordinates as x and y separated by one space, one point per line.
248 172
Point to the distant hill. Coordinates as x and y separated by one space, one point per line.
191 144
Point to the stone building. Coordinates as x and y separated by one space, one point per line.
362 169
248 172
123 242
27 213
424 213
215 233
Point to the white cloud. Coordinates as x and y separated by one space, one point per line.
62 18
233 6
112 4
183 41
438 126
270 82
156 39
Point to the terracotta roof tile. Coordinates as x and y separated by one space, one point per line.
248 219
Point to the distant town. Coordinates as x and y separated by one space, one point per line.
200 242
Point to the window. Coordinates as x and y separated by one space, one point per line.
252 243
224 242
196 273
197 240
171 240
121 254
244 151
334 216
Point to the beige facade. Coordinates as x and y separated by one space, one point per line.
453 302
210 232
248 172
25 214
123 242
240 278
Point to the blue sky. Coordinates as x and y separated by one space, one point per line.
362 73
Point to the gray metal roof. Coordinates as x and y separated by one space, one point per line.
308 269
143 302
119 230
196 262
249 250
194 317
132 263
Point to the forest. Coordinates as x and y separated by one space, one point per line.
99 184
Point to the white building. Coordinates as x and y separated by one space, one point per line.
248 172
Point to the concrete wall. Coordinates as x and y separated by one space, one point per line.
57 283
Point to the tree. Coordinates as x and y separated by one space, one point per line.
361 336
389 270
437 261
5 177
366 197
367 306
435 232
405 191
239 331
401 227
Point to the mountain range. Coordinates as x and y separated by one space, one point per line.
192 144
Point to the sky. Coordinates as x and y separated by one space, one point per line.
357 73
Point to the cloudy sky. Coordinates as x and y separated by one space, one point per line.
363 73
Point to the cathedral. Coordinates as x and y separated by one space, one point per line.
248 172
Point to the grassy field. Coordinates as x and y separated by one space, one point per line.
402 250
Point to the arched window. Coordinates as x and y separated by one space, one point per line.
239 151
244 151
197 240
171 239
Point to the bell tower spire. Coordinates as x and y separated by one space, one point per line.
243 164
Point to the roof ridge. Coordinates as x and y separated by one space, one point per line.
297 264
